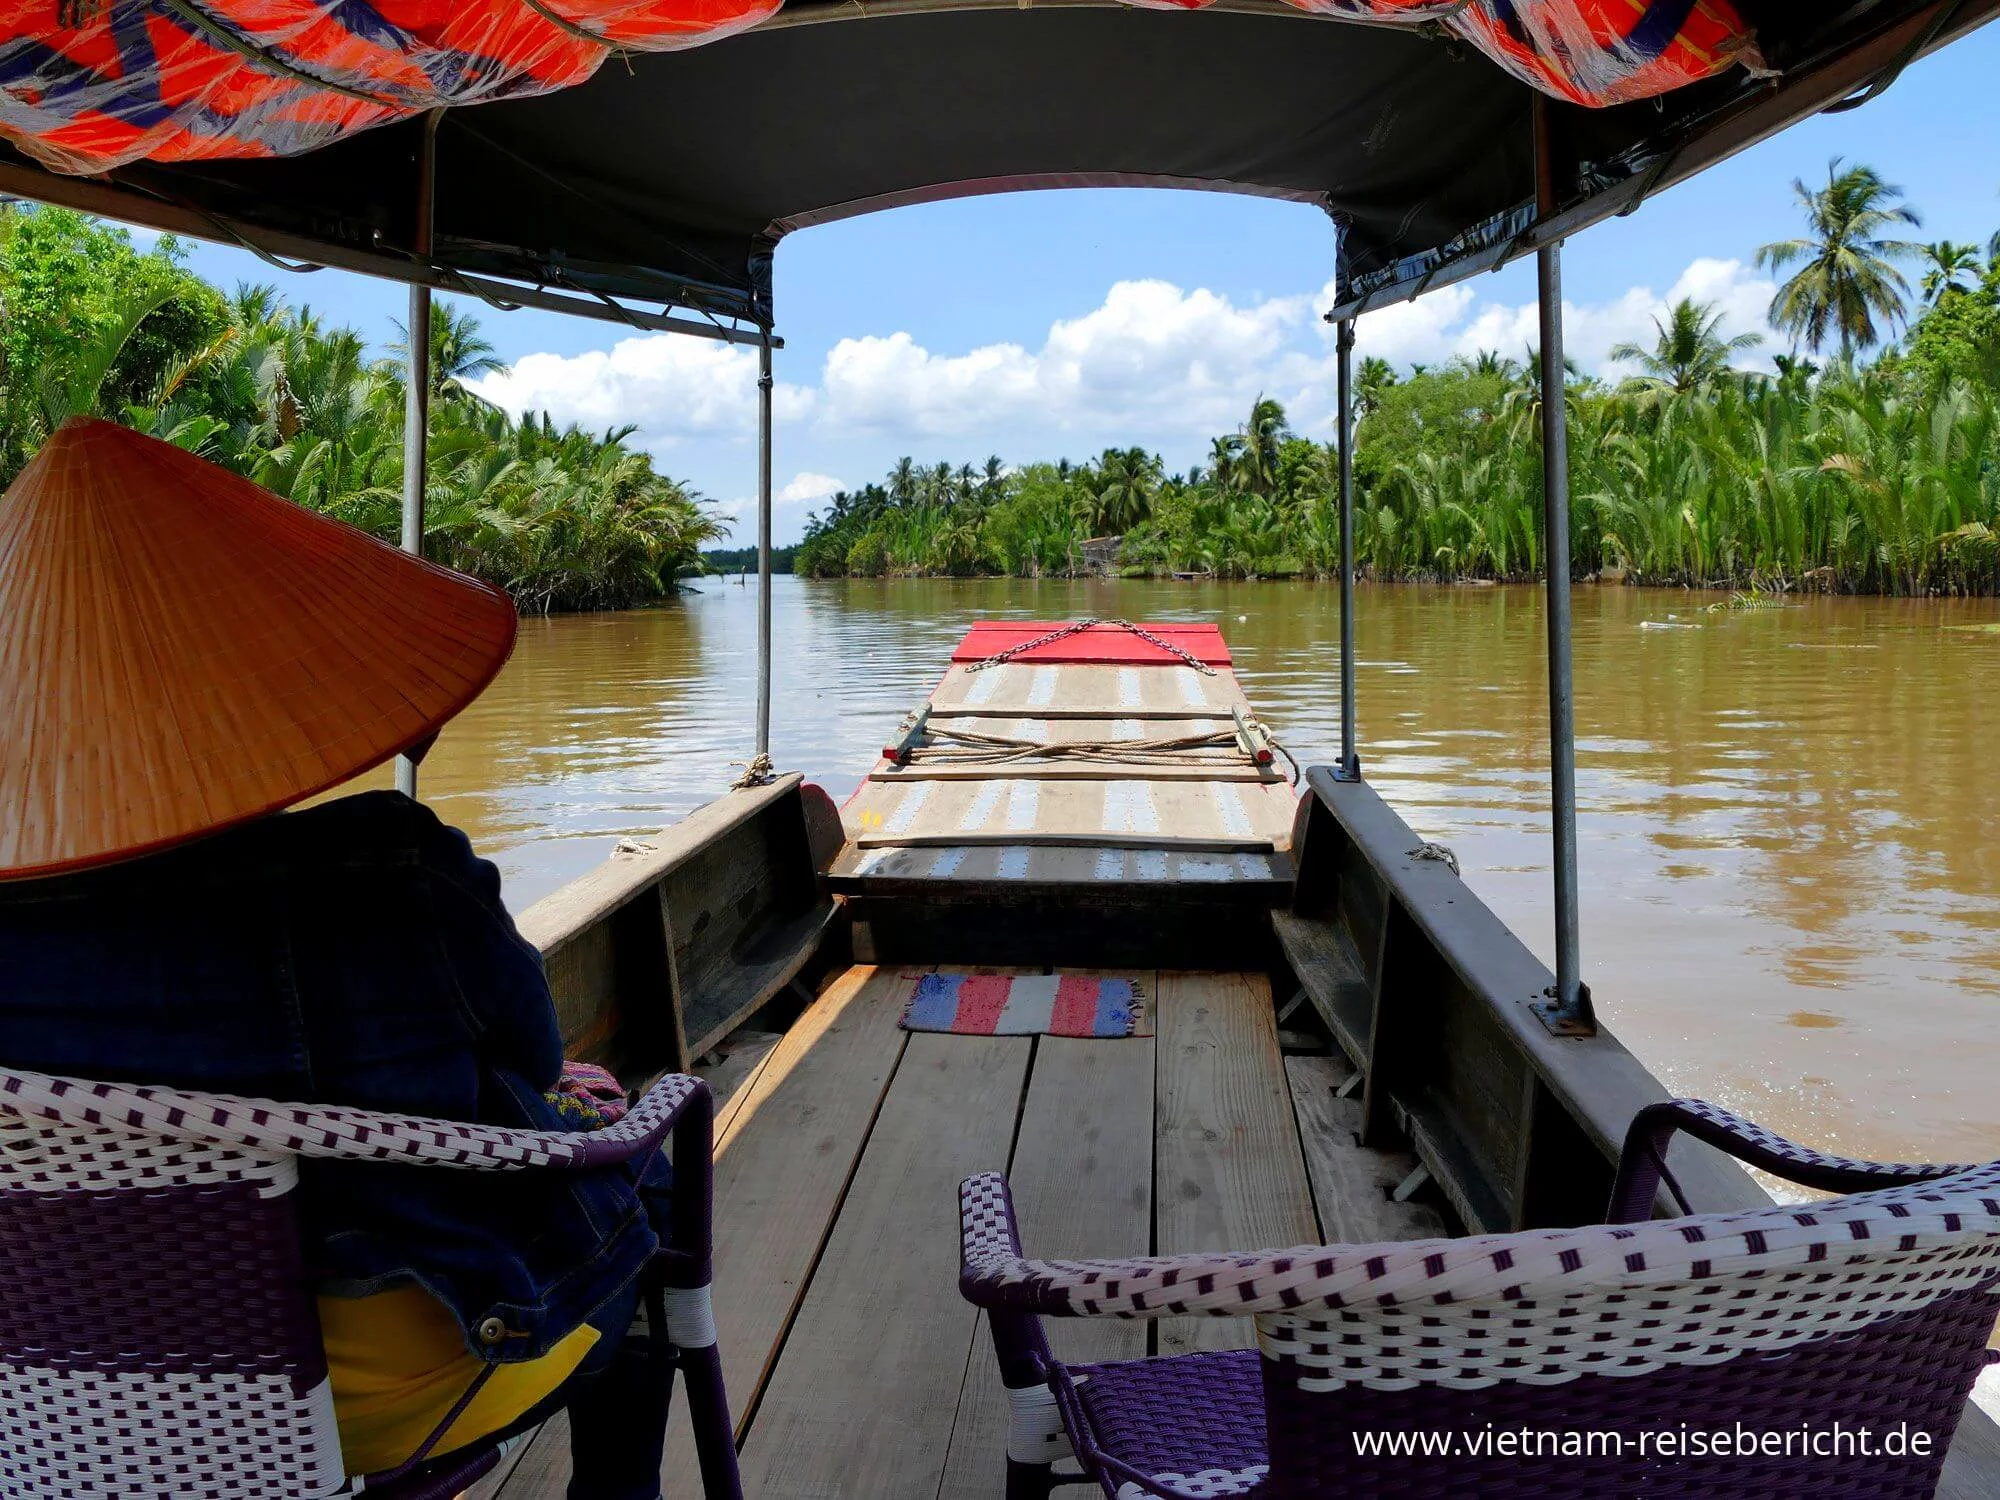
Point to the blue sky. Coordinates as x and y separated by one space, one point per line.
1038 325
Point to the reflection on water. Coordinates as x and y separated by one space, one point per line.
1789 819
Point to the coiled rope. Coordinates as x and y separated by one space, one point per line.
968 747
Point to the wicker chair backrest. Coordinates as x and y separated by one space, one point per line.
1867 1311
1815 1325
157 1337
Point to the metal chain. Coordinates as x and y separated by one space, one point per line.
1066 631
1168 646
1041 640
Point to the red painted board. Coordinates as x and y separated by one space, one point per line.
1101 644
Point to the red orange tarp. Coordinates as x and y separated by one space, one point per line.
87 85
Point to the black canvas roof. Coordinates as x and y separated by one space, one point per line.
669 178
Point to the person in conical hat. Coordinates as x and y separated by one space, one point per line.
183 656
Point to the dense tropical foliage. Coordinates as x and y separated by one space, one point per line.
562 518
1828 473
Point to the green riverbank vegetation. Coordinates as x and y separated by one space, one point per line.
561 518
1834 472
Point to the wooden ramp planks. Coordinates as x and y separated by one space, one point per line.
1132 812
958 867
1228 1172
863 1399
1084 690
1082 1177
786 1146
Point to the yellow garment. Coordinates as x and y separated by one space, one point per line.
398 1363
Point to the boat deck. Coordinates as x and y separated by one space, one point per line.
855 1369
1107 759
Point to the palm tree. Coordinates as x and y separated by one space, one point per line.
1848 278
1372 382
1127 481
73 383
1264 435
1946 262
1690 352
255 305
1225 453
458 352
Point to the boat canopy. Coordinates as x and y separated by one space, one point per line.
610 161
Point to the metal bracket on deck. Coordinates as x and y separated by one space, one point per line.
1252 738
1348 769
909 736
1562 1020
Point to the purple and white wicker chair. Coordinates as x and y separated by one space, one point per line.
157 1331
1870 1311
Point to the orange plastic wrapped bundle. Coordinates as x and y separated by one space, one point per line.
86 85
1599 52
1592 52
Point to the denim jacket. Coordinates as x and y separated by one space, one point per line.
355 953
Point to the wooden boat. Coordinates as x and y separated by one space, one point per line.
1331 1009
1341 1049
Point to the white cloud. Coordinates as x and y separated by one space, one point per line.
809 486
1152 363
1150 358
670 386
1452 322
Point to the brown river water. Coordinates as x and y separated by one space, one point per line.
1789 818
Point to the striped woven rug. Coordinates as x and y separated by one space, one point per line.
1023 1004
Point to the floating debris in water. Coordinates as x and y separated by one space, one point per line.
1991 627
1745 601
1668 624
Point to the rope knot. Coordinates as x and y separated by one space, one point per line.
759 772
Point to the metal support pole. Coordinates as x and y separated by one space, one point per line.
1350 757
417 387
1566 1009
764 545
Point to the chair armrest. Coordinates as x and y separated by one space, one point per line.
993 1273
339 1133
1642 1162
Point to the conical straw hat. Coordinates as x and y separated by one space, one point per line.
181 650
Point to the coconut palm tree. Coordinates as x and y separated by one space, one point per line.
1127 480
459 351
1690 352
1847 278
1946 264
1264 435
1225 454
1371 383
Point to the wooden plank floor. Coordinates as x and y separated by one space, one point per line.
855 1368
